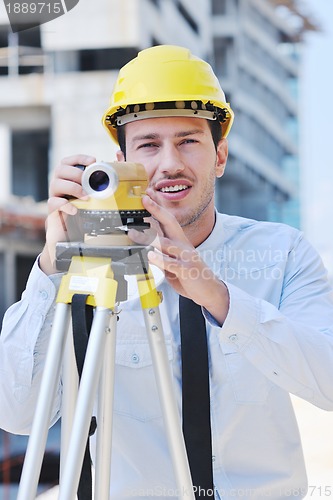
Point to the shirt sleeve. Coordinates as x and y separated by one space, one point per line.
291 344
23 345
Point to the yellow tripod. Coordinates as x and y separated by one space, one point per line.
96 277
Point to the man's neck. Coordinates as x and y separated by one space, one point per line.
200 229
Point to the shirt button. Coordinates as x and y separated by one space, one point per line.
44 295
233 337
213 458
135 358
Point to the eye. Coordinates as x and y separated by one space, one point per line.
148 145
189 141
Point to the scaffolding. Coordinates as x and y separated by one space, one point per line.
297 9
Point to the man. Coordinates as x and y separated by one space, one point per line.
262 289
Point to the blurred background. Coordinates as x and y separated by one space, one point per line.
273 58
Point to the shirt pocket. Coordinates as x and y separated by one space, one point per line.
248 384
136 395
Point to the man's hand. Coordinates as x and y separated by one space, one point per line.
184 269
65 183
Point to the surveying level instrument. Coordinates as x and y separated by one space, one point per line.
95 261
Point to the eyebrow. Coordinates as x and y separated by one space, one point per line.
189 132
152 136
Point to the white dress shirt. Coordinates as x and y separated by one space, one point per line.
277 339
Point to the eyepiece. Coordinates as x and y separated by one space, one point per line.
100 180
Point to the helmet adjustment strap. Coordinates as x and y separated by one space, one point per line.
167 109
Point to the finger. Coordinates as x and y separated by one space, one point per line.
173 268
56 203
68 168
146 237
78 159
154 225
162 244
151 193
163 262
67 171
66 188
167 220
177 249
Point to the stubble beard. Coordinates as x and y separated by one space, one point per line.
193 217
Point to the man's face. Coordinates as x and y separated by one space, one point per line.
181 162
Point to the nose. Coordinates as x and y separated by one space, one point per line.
169 160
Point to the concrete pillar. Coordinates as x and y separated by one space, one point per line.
6 167
10 277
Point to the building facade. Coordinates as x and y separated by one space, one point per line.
55 83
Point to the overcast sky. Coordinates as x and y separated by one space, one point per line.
317 131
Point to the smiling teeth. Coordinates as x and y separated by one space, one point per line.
170 189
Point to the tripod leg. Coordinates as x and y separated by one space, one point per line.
105 413
37 441
69 396
168 402
150 300
85 403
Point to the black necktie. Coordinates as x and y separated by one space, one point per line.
196 400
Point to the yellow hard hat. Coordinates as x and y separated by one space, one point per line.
166 80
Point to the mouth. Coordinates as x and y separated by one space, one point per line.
175 189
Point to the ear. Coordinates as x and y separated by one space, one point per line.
221 157
120 155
